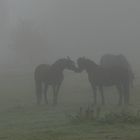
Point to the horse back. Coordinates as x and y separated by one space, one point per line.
109 76
41 72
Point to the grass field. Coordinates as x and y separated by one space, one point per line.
22 119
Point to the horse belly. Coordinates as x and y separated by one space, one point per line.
54 80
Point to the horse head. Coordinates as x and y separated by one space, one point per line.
86 64
69 64
81 61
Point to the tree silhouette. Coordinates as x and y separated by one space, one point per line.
29 43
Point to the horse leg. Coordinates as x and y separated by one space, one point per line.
54 94
132 83
45 93
57 91
95 93
102 94
119 88
126 93
38 92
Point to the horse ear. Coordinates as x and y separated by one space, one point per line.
68 57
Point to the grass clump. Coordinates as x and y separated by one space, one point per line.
84 115
98 115
123 116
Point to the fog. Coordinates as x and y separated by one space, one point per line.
69 28
34 32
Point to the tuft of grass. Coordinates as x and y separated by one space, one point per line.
123 116
84 115
94 115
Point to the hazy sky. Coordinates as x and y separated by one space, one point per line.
76 27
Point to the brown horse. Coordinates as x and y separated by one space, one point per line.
51 75
110 60
100 77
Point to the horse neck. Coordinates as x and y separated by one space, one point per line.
91 67
58 67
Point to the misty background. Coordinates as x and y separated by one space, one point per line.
34 32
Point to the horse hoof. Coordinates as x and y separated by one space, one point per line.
46 103
120 104
93 104
54 104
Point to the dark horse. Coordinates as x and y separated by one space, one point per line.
100 77
110 60
51 75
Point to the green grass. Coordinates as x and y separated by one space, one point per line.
22 119
40 123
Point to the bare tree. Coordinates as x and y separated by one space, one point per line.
29 44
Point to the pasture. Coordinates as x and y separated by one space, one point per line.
22 119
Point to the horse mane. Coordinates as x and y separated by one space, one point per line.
91 62
58 62
86 64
